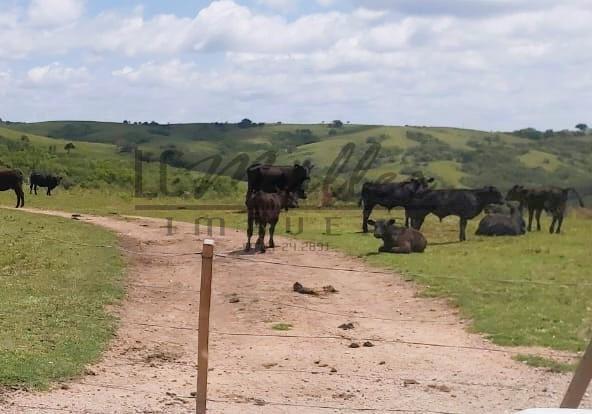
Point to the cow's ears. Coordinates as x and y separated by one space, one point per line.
431 180
391 222
371 222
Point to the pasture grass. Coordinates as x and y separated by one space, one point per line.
548 363
54 297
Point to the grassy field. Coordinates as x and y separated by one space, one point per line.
531 290
53 315
547 304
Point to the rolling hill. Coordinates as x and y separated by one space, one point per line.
456 157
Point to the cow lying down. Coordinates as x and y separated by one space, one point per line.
499 224
398 239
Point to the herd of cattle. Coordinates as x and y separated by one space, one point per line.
273 188
13 180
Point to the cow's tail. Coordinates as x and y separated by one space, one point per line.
578 196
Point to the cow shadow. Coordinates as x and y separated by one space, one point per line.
445 243
242 252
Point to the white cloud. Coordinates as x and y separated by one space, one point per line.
395 64
56 74
54 12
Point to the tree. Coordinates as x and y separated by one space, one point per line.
336 124
69 147
582 127
245 123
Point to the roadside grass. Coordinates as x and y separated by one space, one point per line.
54 297
282 326
541 362
523 291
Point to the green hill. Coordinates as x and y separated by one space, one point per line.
456 157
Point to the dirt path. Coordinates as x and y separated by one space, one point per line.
150 366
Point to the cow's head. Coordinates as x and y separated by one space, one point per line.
516 193
59 179
490 195
301 177
420 184
382 227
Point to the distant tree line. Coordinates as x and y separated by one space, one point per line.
534 134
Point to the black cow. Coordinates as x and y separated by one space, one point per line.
390 195
270 178
398 239
466 204
13 180
551 199
264 208
496 224
43 180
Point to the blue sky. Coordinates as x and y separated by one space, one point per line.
487 64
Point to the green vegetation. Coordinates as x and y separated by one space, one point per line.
456 157
282 327
53 315
541 362
530 290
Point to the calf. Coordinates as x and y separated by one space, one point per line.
398 239
270 178
43 180
13 180
390 195
551 199
466 204
264 208
497 224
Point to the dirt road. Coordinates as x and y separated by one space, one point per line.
150 366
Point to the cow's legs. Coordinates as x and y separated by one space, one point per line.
48 191
407 218
463 229
20 197
271 231
417 222
366 215
538 219
404 248
31 189
260 244
559 223
249 232
552 228
530 213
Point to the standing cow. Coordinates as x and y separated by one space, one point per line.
13 180
551 199
390 195
264 208
43 180
466 204
270 178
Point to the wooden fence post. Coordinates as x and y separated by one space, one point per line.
580 381
205 297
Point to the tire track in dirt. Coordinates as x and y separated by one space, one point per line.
151 364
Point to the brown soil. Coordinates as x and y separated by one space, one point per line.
151 364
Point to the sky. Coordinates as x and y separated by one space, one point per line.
484 64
